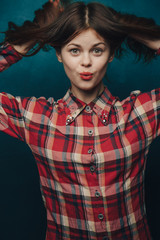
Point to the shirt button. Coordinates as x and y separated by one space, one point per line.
92 168
100 216
90 132
89 150
88 108
105 238
97 194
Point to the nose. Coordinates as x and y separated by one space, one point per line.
86 60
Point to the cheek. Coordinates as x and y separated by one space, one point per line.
101 63
101 67
70 69
70 64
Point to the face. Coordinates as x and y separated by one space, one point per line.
85 60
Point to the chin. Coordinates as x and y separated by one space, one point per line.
89 86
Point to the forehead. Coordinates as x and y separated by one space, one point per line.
89 36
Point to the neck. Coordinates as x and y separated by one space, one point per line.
88 95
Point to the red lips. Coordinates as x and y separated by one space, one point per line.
86 75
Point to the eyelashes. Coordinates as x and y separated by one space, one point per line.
95 51
74 51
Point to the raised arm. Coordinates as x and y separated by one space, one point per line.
8 56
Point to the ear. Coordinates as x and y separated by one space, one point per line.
59 57
111 58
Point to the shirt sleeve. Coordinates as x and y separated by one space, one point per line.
8 56
22 117
11 116
147 107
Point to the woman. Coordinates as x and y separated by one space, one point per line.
90 147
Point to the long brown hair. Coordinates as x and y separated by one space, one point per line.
56 26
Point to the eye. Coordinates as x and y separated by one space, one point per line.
74 51
97 51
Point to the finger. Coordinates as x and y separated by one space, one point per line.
56 2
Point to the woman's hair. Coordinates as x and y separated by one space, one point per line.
57 25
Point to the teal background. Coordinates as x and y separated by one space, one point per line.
22 214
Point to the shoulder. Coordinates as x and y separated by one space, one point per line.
139 102
137 96
27 103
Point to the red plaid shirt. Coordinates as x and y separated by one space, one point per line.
91 158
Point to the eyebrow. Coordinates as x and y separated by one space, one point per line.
96 44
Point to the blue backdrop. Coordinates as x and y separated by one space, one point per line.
22 214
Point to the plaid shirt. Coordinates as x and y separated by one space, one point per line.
91 158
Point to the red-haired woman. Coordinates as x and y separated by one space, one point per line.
90 147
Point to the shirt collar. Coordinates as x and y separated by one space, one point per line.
101 105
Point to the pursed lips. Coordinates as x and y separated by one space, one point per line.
86 75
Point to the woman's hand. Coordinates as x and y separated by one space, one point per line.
155 45
48 13
21 49
55 3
